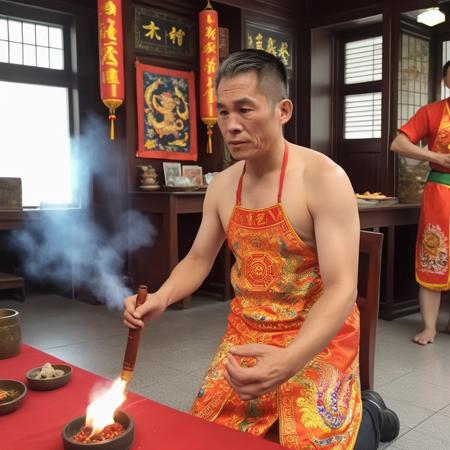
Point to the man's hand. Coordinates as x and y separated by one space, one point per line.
136 317
443 159
273 367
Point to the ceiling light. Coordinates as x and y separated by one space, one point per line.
431 17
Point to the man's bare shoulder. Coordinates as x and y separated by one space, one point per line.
225 181
325 182
316 166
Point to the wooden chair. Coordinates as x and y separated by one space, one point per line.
369 270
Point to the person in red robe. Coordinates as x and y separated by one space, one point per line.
432 246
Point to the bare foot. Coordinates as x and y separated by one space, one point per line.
425 337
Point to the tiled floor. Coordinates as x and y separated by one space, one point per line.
175 351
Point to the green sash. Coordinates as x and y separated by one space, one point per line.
439 177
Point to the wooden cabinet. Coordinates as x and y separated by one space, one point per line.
398 223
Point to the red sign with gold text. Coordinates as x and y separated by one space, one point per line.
209 64
112 89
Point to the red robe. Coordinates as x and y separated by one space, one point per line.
432 246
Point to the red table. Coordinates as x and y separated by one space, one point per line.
38 423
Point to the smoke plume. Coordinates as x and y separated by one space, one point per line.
69 247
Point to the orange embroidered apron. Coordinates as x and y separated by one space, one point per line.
276 280
432 268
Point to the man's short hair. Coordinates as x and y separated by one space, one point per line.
445 69
264 64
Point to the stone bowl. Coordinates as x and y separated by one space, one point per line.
12 405
10 333
47 384
121 442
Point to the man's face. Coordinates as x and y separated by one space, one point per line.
249 123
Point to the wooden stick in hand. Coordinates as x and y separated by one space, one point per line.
133 341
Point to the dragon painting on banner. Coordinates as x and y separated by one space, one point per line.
166 113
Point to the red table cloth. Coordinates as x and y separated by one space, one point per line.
38 423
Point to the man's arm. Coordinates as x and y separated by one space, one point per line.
336 225
190 272
403 146
334 210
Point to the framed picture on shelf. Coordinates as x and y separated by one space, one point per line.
167 123
171 171
194 173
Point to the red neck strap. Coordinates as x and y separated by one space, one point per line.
280 184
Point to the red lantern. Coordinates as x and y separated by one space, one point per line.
209 63
110 41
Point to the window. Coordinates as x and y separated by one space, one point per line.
35 141
362 116
445 91
36 110
362 88
413 92
363 60
413 76
31 44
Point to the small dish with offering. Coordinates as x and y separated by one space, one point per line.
375 198
12 394
49 376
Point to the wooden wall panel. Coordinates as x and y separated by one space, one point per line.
321 90
320 9
363 169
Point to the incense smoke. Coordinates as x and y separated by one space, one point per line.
69 246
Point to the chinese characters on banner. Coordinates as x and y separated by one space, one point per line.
277 43
161 33
175 35
209 63
111 56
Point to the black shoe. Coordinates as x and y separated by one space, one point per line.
375 397
390 423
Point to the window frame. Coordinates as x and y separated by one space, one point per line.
65 78
437 74
342 89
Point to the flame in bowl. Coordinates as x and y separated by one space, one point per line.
100 413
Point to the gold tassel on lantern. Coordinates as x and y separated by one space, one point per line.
209 131
112 105
112 118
